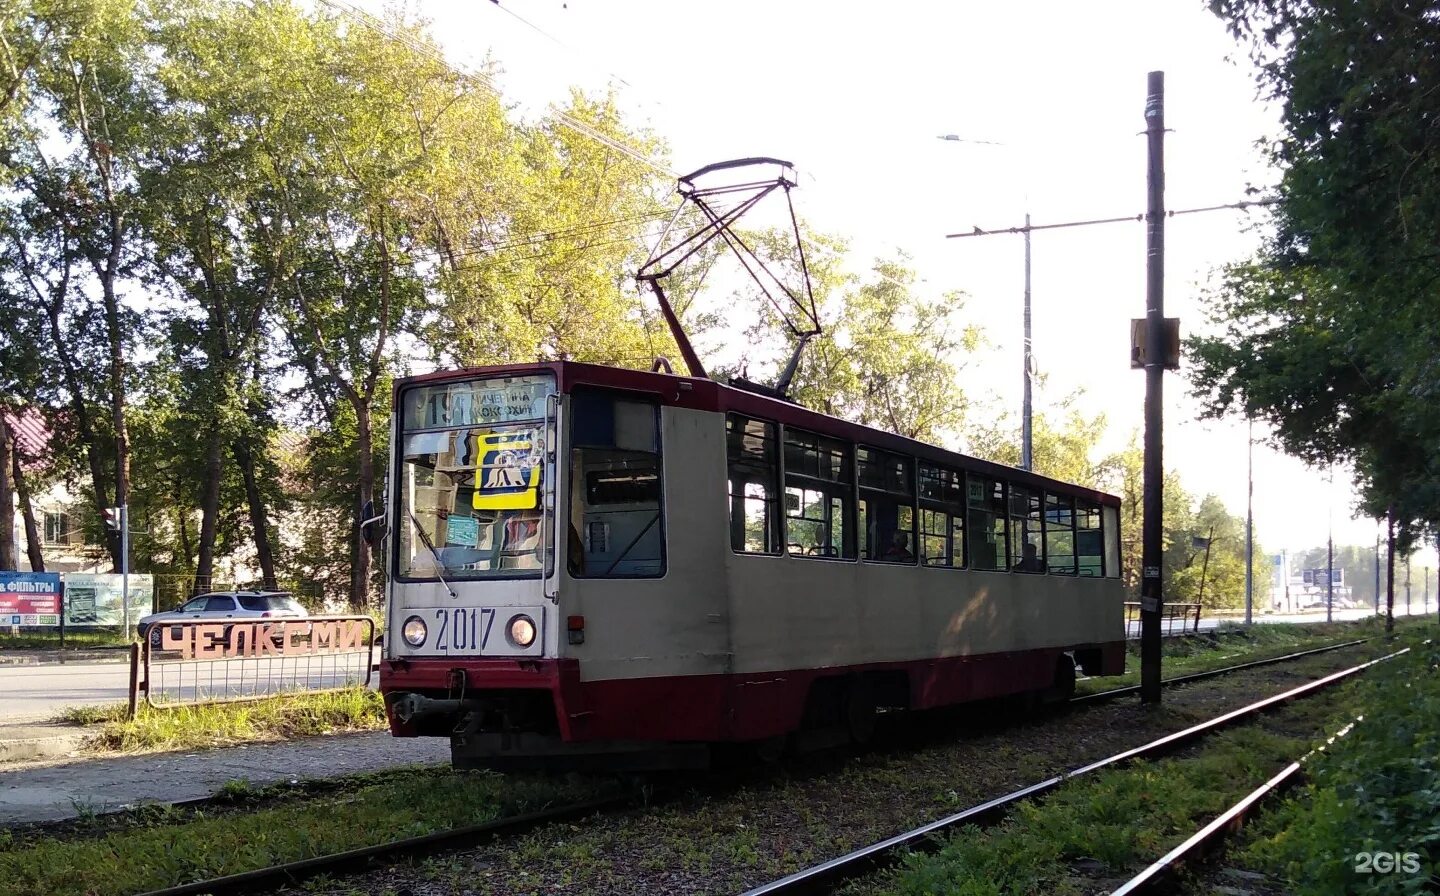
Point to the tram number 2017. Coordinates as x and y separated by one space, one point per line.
464 628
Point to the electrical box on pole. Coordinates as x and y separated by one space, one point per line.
1155 356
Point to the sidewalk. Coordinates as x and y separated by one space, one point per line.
53 790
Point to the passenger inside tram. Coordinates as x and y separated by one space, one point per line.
1030 562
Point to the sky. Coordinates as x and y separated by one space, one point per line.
855 95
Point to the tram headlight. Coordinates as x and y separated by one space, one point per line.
414 631
521 631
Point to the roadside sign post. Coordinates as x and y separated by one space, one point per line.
124 569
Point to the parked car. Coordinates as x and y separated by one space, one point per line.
218 606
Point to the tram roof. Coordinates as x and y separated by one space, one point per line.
708 395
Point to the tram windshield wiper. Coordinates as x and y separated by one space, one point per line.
430 546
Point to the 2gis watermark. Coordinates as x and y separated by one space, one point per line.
1381 862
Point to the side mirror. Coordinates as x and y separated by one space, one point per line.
372 525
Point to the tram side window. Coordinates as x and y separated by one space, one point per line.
819 496
942 516
1060 534
616 506
887 506
1027 549
986 540
753 464
1089 540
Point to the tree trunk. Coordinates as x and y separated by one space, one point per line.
209 511
365 490
259 521
34 548
182 526
8 548
1390 570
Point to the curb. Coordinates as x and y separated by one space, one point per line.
59 658
53 746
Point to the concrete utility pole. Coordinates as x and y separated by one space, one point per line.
1151 597
1330 551
1027 446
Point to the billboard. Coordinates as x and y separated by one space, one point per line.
95 598
29 598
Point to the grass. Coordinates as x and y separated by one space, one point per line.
1235 644
1377 790
84 639
1094 832
223 724
166 853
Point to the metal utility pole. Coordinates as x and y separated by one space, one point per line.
1377 570
1330 577
1151 599
1027 456
1330 551
1249 522
1407 585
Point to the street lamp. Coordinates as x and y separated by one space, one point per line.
1026 440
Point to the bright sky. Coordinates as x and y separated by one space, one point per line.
855 95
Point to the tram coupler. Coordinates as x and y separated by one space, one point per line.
407 708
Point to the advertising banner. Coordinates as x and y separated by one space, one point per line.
94 599
29 598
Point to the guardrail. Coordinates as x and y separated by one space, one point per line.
192 661
1175 619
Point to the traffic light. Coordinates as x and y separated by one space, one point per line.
112 518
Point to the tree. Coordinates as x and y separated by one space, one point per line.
68 222
1328 333
1068 452
886 356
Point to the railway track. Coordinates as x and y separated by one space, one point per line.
825 877
371 857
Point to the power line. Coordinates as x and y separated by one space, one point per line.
1029 228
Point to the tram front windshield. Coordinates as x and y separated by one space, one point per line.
470 478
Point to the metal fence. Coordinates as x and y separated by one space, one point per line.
189 662
1175 619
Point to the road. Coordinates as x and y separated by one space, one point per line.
35 692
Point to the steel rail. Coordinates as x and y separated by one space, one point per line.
356 860
824 878
1102 696
1161 875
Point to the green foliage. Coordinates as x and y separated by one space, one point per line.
1373 790
1329 333
1105 824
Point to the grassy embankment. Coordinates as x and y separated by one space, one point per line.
1095 832
1234 644
224 724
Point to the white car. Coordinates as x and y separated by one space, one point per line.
218 606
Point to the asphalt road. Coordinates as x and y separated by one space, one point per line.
43 691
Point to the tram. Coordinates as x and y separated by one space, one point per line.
591 566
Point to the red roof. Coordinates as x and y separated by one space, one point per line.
32 432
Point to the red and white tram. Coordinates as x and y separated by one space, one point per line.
588 563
